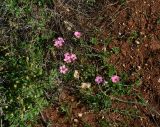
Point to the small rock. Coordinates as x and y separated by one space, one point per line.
75 120
139 67
137 42
80 114
72 100
105 82
85 85
76 74
120 33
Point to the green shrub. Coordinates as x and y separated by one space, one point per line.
24 85
24 76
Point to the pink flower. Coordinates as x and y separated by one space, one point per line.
73 57
115 78
77 34
66 54
99 79
69 57
63 69
61 39
59 42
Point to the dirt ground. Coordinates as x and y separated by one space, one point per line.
140 58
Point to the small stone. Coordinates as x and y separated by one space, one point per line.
139 67
137 42
76 74
120 33
104 49
67 9
85 85
69 28
105 82
80 114
72 100
75 120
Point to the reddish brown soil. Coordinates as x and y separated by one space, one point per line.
139 58
72 118
143 59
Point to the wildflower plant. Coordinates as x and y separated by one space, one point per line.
90 72
59 42
32 66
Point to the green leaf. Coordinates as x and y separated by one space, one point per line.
94 41
112 71
116 50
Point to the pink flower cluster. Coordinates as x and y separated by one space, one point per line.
99 79
59 42
63 69
77 34
114 79
69 57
